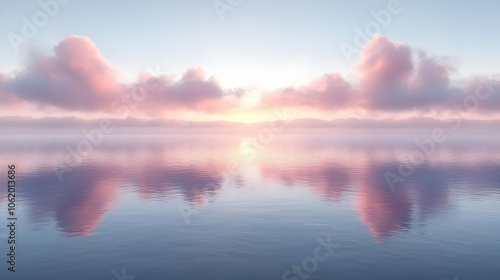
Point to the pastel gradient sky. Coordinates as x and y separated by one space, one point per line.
263 56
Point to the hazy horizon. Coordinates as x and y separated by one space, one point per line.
244 140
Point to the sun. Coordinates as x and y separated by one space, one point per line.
245 121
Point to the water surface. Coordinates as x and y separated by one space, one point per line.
223 207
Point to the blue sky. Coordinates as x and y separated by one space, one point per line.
294 39
281 53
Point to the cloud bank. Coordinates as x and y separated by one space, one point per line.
390 78
390 81
78 78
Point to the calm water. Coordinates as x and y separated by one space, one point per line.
212 207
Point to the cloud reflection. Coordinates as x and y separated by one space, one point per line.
192 168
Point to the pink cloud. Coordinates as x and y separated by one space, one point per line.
384 62
78 78
329 92
75 78
193 91
390 78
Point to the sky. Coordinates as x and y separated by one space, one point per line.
239 60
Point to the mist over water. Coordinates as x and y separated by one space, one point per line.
226 207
